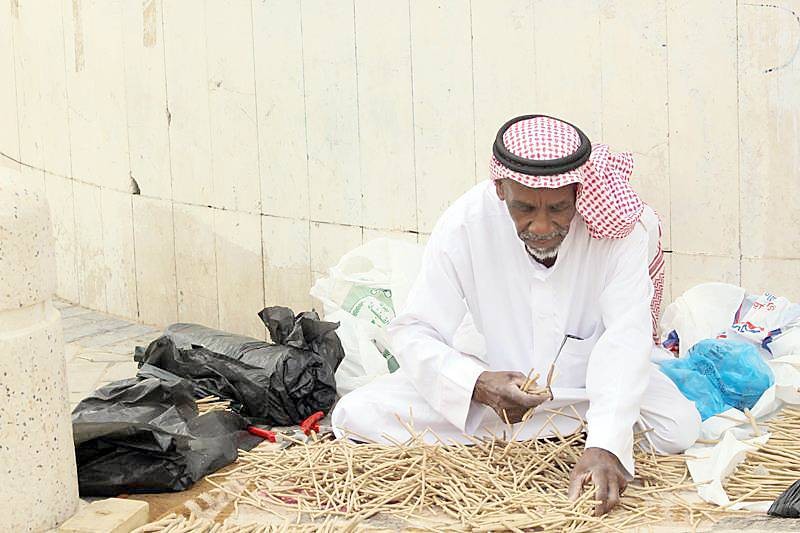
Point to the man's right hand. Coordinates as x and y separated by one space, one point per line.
502 391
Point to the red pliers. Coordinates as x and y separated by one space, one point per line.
312 423
307 426
263 433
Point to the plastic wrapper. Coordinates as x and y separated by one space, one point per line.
788 504
279 383
145 435
720 374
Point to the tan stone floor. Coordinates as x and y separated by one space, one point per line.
99 349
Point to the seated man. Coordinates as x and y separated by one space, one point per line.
540 283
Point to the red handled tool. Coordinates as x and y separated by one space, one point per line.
308 425
312 423
263 433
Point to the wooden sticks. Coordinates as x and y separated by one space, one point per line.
212 403
769 470
488 485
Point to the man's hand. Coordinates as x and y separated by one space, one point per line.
502 391
604 470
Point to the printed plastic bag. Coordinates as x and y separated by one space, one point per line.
720 374
364 292
769 322
145 435
719 310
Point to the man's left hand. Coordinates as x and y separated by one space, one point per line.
604 470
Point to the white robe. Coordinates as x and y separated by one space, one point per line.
597 290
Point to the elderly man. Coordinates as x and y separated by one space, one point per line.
552 259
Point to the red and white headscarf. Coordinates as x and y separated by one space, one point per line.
605 199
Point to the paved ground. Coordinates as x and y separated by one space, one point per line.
98 348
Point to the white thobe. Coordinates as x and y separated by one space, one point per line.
598 290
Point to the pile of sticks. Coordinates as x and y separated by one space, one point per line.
490 485
768 471
493 484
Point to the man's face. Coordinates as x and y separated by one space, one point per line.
541 216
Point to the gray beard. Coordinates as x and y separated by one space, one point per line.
543 254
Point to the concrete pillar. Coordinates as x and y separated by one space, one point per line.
38 479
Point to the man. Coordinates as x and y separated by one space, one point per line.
550 259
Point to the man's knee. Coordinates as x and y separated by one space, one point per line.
681 428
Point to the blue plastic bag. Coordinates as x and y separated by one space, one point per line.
719 374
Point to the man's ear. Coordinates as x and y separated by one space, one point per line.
500 189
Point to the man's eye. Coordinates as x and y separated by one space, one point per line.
524 208
557 208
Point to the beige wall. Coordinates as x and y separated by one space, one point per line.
269 137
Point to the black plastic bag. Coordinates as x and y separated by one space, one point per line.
277 384
788 504
144 435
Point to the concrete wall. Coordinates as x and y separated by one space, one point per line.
267 138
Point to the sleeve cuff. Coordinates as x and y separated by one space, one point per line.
457 380
612 439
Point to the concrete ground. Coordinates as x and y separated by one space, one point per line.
99 349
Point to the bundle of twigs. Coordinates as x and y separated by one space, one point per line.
490 485
769 470
212 403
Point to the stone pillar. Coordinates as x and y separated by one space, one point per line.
38 479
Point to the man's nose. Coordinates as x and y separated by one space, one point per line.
540 225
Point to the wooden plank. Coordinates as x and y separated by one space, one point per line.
386 125
634 59
703 144
331 111
145 87
504 70
187 101
443 106
769 148
232 106
111 515
568 76
278 51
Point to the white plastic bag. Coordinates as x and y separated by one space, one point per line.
364 292
701 313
